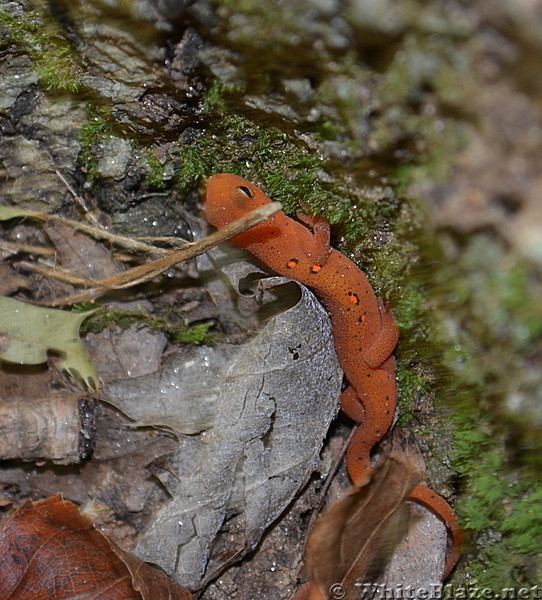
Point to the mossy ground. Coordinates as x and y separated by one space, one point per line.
489 299
469 326
40 35
93 131
177 328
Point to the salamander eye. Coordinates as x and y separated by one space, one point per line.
246 190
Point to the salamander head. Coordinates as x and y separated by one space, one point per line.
229 197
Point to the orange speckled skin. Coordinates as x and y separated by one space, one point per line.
365 332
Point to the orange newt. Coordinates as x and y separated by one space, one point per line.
364 329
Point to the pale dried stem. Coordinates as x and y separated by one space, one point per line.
148 271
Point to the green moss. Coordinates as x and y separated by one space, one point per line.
93 131
196 334
196 162
283 166
56 69
43 39
499 509
156 173
491 318
412 382
180 331
219 96
95 128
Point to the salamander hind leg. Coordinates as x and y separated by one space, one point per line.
374 422
358 453
318 251
386 341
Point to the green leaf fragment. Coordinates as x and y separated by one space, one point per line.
31 331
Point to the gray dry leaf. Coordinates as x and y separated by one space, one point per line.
266 407
129 352
79 254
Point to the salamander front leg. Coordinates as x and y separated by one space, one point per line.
318 251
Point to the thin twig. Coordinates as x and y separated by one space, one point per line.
55 273
147 271
17 248
98 233
79 200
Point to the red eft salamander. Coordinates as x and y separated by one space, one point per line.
364 329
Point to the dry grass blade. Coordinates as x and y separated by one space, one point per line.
55 273
96 232
19 248
149 270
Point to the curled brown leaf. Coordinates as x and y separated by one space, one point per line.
348 535
48 549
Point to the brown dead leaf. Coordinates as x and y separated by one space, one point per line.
349 533
48 549
11 281
79 254
151 583
24 381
